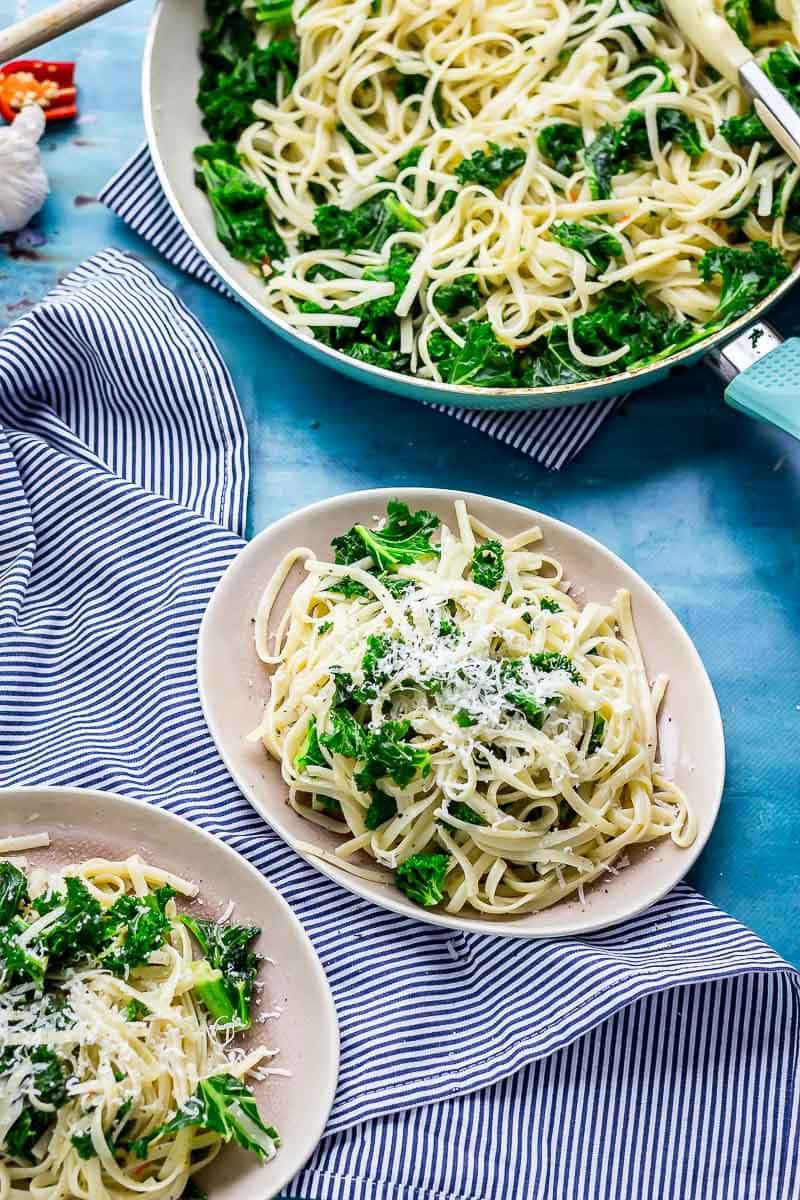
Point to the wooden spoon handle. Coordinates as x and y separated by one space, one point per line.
50 23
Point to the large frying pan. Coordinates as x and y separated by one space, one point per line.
762 372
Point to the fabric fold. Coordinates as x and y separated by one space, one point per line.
123 487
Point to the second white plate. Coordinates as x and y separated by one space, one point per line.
86 824
234 685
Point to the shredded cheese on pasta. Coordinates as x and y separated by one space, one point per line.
535 712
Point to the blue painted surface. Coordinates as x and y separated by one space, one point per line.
701 500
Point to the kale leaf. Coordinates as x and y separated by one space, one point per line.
598 731
747 276
783 69
309 754
277 13
365 227
139 925
346 736
49 1086
463 812
382 808
13 891
596 246
490 168
560 144
404 538
737 14
745 131
483 360
617 147
388 753
422 878
487 563
656 68
227 988
241 216
462 293
224 1105
229 89
551 660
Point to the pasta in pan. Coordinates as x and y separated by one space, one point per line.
454 713
118 1078
509 193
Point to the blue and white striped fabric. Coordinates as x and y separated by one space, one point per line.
655 1061
552 437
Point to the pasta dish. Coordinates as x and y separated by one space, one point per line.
452 712
119 1075
511 193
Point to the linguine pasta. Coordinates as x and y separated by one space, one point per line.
393 96
464 715
134 1086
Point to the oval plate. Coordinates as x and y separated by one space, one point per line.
234 684
306 1032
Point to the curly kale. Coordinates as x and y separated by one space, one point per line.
747 276
382 808
365 227
404 539
241 216
490 168
277 13
346 736
138 925
81 933
745 131
223 979
462 812
388 753
551 660
487 563
49 1086
228 90
737 14
422 878
656 69
13 891
560 144
223 1105
621 318
617 147
309 754
483 360
462 293
783 69
597 734
596 246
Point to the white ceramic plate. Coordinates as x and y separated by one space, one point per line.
234 684
305 1034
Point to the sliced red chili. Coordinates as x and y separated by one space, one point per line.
34 81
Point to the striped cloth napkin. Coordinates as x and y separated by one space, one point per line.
552 437
654 1061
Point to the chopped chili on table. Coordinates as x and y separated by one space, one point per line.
33 81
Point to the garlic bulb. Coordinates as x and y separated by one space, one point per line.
23 183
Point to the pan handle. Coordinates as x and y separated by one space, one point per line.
762 373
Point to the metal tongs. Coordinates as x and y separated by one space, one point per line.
713 38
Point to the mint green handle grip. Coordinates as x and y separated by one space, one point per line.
770 388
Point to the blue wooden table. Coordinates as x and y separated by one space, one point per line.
702 501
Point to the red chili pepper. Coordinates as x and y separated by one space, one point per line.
49 84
